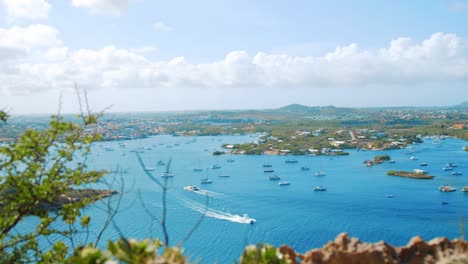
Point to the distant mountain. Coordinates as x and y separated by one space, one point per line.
298 108
326 110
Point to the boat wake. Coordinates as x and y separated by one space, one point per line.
213 213
210 194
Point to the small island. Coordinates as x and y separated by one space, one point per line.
381 159
415 175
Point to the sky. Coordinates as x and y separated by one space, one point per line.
151 55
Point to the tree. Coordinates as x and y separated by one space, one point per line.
38 168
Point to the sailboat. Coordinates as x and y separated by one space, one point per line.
167 173
320 173
206 180
230 159
199 168
224 174
267 164
215 166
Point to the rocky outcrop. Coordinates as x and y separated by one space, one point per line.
346 250
74 196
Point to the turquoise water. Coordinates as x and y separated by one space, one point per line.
355 200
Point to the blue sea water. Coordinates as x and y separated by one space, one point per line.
355 201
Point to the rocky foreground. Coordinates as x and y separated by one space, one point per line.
346 250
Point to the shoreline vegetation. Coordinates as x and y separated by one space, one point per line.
413 175
70 197
75 196
290 130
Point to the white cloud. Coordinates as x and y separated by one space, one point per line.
114 7
29 9
160 26
442 58
30 37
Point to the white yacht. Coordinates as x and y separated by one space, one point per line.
167 174
284 183
247 219
320 173
206 181
447 188
320 189
191 188
274 178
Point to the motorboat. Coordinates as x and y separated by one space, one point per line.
274 178
452 165
149 169
423 164
447 168
320 189
268 170
413 158
191 188
390 196
320 173
206 181
248 219
457 173
447 188
167 174
465 189
284 183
